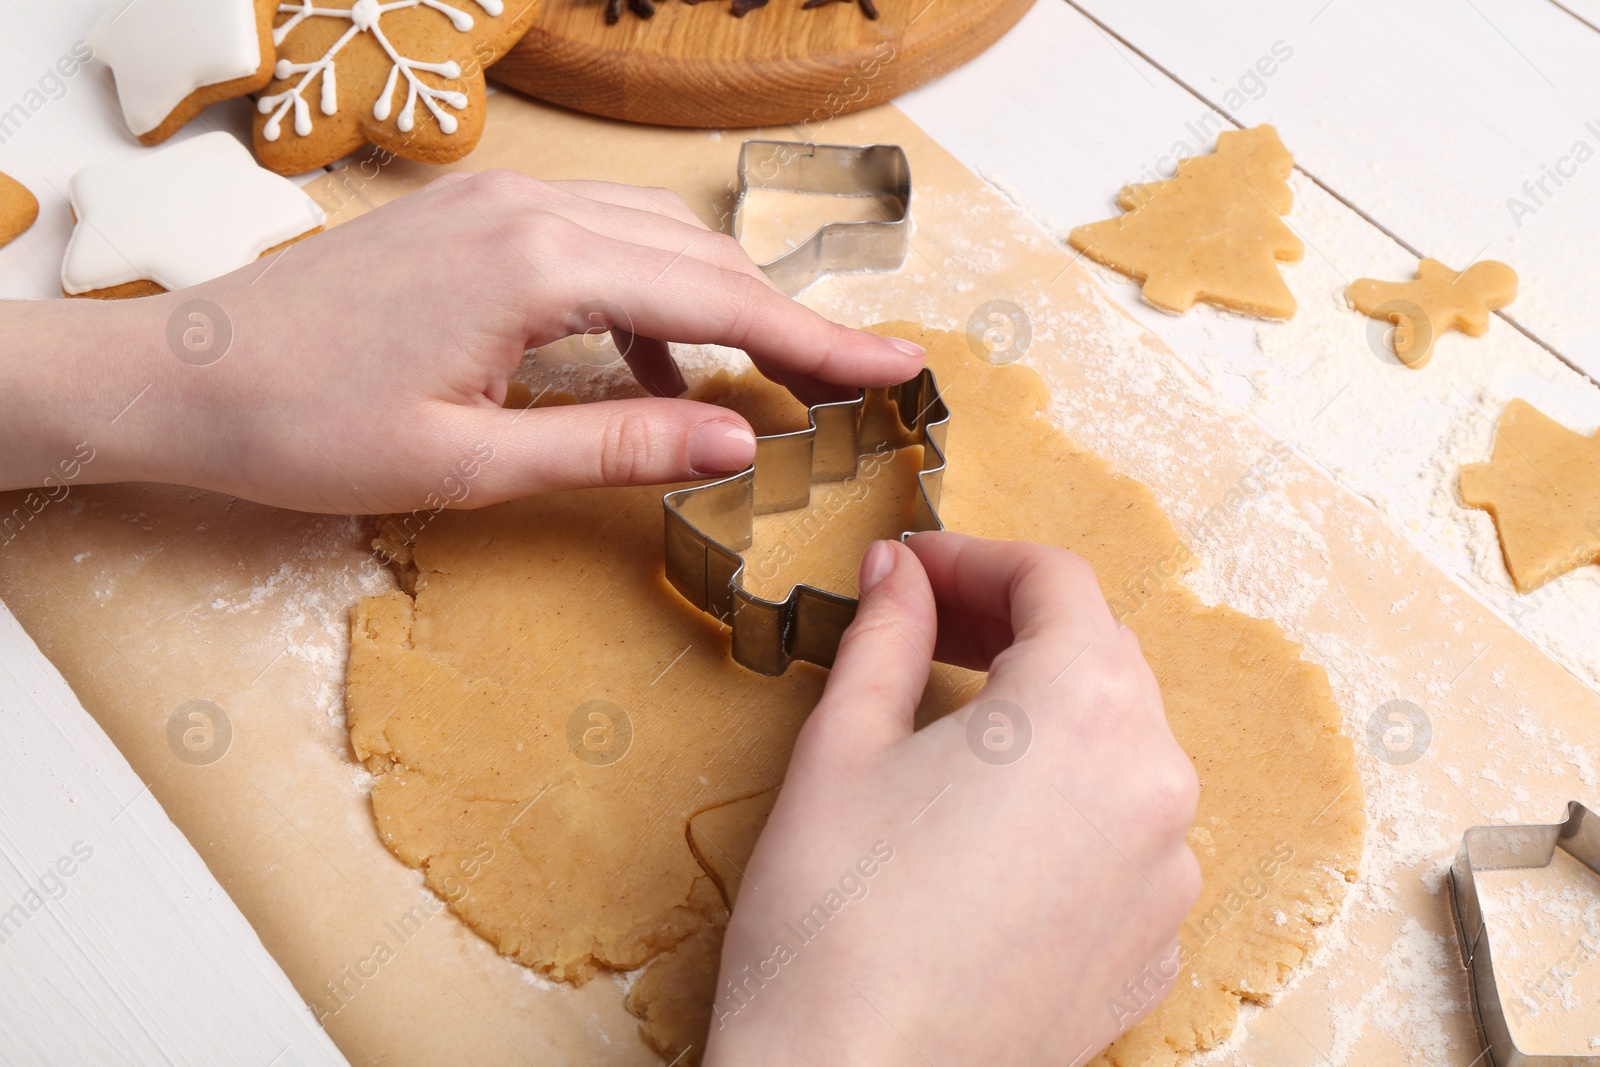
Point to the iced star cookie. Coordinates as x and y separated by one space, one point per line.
18 209
406 75
173 58
178 216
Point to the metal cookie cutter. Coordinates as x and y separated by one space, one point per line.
840 170
708 526
1495 848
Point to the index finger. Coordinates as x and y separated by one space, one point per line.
676 297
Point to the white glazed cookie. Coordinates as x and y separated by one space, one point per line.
172 58
178 216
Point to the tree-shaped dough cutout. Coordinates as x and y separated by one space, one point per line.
1213 232
1542 485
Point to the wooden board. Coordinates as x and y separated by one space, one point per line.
698 65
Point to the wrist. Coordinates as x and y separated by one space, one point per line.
74 375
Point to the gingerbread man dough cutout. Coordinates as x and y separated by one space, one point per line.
1542 485
1440 299
1213 232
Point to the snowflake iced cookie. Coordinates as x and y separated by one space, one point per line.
18 209
173 58
178 216
1440 299
1212 232
1542 486
406 75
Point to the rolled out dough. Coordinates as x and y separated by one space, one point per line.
469 699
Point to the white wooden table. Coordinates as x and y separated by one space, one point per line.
1419 128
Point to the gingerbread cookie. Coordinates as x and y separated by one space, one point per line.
1542 485
1213 231
173 58
1440 299
178 216
406 75
18 209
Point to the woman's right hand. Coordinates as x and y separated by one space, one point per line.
982 890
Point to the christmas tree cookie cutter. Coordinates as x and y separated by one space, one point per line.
873 170
1495 848
709 526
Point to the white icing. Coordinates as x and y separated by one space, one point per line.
365 16
163 50
179 215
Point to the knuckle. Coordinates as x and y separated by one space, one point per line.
1186 883
544 233
1170 794
725 251
664 201
1072 567
1117 688
501 184
741 294
626 450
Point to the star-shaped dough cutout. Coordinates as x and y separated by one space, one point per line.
1440 299
173 58
1212 232
1542 485
178 216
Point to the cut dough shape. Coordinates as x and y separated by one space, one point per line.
178 216
1542 485
461 700
18 209
724 837
1439 300
1212 232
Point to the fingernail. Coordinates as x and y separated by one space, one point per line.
876 565
910 348
721 447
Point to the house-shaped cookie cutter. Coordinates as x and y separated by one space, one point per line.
709 526
1495 848
878 170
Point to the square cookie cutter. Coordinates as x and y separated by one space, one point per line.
709 526
880 170
1498 848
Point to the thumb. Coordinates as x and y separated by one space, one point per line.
882 667
614 442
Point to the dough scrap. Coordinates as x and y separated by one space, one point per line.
1213 231
1542 485
461 700
1439 300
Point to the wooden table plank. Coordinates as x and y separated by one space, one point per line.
116 943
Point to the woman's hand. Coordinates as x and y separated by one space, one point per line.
367 364
981 890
